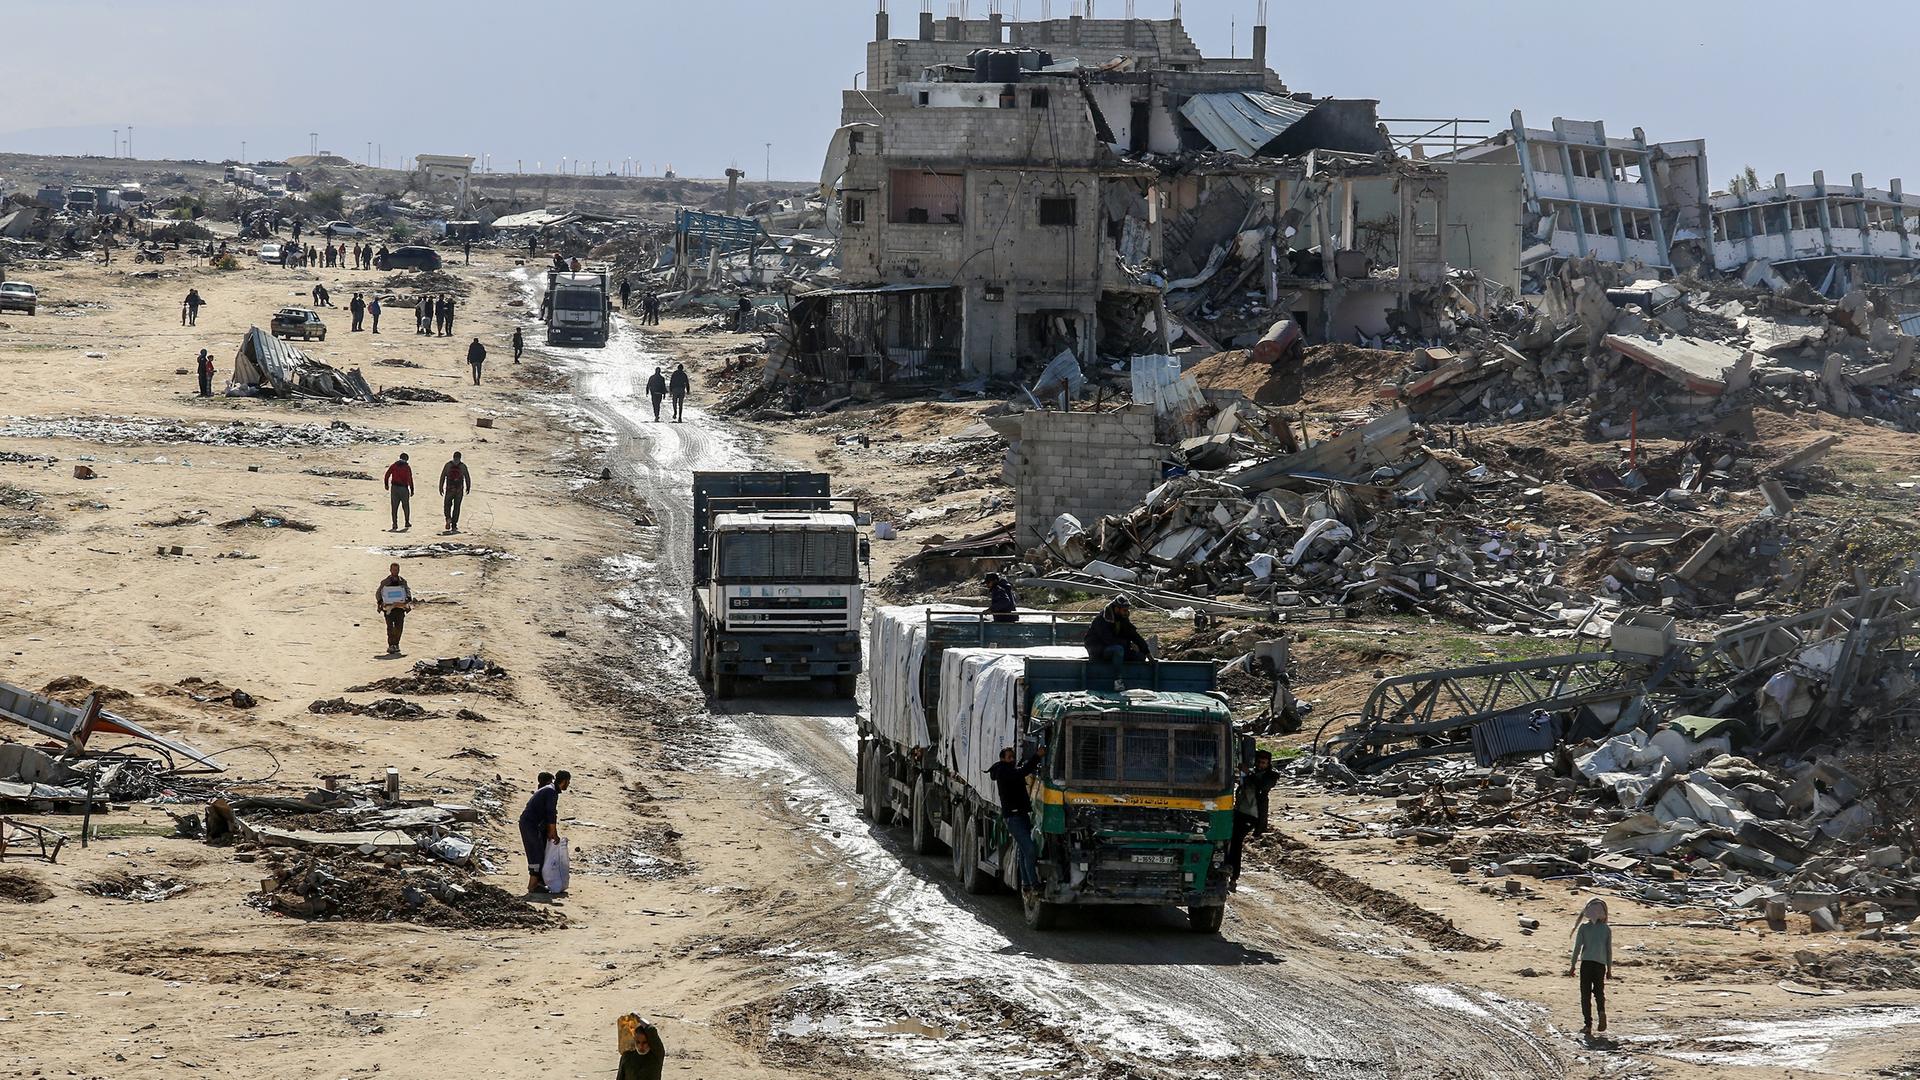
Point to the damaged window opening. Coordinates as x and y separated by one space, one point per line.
855 211
924 198
1057 211
1039 97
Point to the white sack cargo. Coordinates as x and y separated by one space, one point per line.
896 644
980 707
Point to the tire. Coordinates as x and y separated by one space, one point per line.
920 819
1040 914
724 686
846 686
1206 920
966 861
869 795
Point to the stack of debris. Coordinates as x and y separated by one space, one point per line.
265 366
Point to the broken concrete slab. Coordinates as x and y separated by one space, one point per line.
1700 366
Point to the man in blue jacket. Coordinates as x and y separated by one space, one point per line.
540 825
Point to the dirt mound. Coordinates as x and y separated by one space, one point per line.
313 888
1292 860
1854 969
386 708
21 887
414 394
123 885
73 689
263 520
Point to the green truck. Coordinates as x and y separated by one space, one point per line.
1133 802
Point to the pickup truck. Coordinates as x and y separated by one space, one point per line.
303 323
18 296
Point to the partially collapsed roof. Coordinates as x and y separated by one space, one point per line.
272 366
1244 121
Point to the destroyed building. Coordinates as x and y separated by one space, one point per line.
1007 191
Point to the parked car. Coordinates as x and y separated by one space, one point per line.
298 322
18 296
411 257
270 253
341 228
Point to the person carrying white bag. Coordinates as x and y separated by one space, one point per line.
547 864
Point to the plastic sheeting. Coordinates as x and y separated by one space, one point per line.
980 707
896 645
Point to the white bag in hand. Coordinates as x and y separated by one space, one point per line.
555 869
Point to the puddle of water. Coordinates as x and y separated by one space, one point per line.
1802 1043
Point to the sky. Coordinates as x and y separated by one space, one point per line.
704 85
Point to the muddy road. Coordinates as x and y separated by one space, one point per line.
901 974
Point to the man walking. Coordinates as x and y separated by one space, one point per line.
1016 809
203 367
657 389
1249 810
653 309
373 310
540 826
647 1056
678 387
399 485
626 293
455 481
476 355
466 253
391 599
519 344
191 307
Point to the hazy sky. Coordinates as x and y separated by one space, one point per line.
704 84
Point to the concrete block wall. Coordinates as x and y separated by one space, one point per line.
1086 464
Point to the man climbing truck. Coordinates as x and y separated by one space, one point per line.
1133 797
578 309
777 584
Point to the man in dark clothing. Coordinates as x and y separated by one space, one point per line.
203 367
455 481
358 307
656 389
466 252
540 825
192 305
296 230
741 314
648 1055
422 315
391 599
1000 599
399 485
1112 638
626 293
446 316
1250 809
519 344
678 386
1016 809
373 312
476 355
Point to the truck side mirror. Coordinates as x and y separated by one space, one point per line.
866 550
1247 747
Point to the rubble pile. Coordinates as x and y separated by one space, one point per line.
360 890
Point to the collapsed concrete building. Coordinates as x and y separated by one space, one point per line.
1007 191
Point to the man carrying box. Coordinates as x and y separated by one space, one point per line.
392 599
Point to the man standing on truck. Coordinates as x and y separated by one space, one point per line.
1000 599
1250 810
656 389
455 481
1016 809
678 387
1112 638
399 485
391 598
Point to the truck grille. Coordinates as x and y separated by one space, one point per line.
1139 820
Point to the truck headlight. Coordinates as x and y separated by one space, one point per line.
729 646
846 647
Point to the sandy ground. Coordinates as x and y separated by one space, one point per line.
725 885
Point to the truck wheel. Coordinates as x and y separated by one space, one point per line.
1040 914
877 791
921 818
845 686
869 796
1206 920
966 860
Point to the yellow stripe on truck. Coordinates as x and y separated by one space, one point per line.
1052 797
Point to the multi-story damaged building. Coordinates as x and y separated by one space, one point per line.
1006 191
1834 237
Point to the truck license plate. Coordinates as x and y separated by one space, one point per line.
1158 860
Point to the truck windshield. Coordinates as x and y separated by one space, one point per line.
577 300
1139 753
788 557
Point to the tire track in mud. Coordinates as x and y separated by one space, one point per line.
962 987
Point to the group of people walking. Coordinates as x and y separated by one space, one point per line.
433 316
660 386
456 481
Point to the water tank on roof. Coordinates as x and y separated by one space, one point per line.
1002 65
1035 59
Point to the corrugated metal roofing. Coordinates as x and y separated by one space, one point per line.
1244 121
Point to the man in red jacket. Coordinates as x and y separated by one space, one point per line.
399 485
